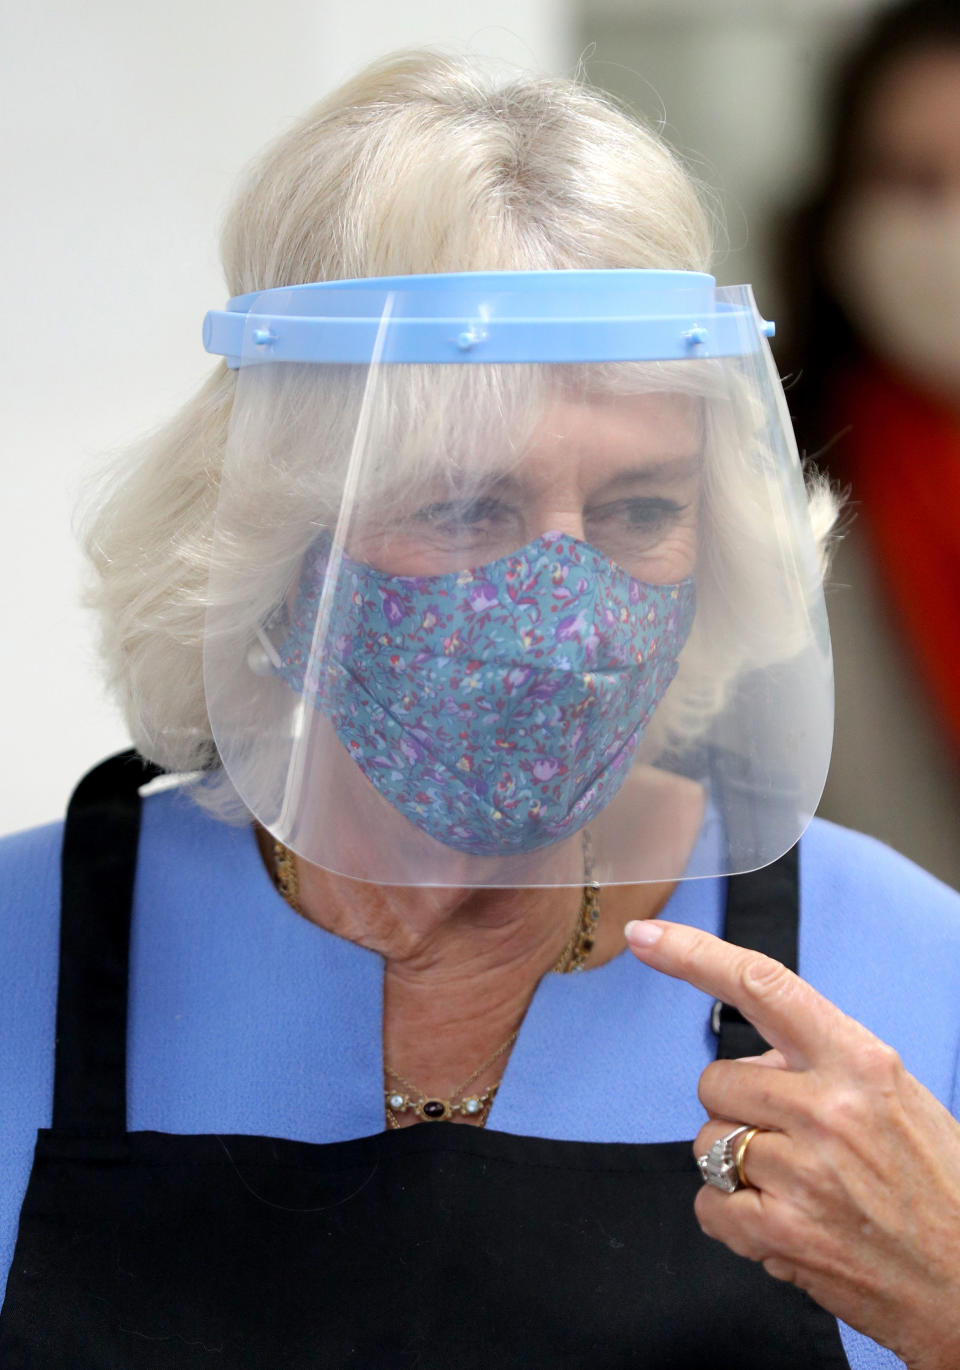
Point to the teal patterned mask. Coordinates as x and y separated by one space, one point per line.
497 708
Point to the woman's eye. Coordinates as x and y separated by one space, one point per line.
641 514
467 515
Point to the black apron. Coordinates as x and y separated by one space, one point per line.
432 1247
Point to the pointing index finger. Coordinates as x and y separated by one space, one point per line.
784 1009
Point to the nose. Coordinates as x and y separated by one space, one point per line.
568 521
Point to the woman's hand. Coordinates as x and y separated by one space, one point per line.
855 1177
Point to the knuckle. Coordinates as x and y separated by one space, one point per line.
710 1084
842 1111
743 1244
771 1098
781 1268
704 1211
765 978
785 1230
878 1063
723 1221
812 1182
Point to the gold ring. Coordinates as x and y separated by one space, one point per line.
741 1153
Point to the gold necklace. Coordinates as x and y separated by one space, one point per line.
285 875
432 1108
576 953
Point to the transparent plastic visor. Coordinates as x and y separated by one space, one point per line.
464 616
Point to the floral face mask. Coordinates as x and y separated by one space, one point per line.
497 708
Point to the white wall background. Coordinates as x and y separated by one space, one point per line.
123 127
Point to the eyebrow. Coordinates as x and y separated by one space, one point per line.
668 468
672 468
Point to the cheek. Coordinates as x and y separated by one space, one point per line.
402 551
395 556
675 558
667 558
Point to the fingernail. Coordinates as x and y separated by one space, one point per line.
643 932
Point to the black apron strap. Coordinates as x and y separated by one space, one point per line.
763 913
98 865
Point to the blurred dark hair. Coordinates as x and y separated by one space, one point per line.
818 336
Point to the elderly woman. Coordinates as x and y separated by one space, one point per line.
481 588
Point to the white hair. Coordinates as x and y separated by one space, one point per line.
421 164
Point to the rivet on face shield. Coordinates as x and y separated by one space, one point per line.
262 336
696 338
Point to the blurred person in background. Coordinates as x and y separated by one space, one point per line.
872 269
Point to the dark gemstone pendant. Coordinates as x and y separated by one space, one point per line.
434 1110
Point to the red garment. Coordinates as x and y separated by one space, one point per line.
902 457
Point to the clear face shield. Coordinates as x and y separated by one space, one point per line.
507 561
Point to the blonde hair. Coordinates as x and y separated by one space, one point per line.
421 164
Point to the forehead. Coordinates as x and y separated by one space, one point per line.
659 421
531 428
579 447
605 435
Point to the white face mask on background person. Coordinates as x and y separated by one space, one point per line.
895 265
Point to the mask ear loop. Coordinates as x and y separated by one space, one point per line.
263 658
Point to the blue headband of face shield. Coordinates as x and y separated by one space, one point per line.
487 316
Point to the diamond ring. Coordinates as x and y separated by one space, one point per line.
719 1166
